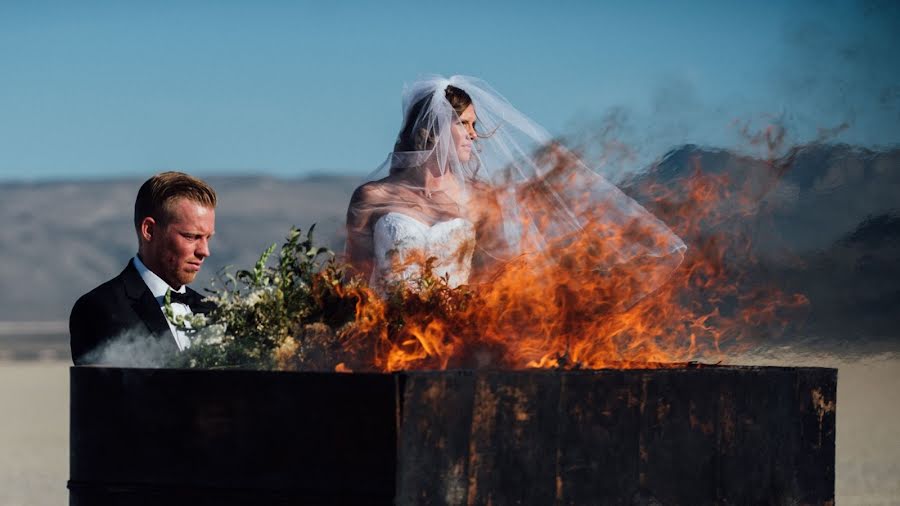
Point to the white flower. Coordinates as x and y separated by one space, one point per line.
256 296
213 334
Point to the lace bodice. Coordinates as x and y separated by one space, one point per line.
403 244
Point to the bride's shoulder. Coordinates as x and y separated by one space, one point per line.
368 193
375 192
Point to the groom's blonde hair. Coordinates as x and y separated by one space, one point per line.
159 192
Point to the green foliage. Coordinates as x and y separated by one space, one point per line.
425 298
299 312
258 311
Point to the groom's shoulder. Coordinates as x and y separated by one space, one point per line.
98 315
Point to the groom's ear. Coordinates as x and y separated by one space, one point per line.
148 228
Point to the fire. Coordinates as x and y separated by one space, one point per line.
579 302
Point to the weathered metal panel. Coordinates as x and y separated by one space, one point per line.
598 433
694 436
233 435
435 456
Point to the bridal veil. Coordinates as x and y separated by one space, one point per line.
533 201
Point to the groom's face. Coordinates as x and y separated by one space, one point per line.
176 249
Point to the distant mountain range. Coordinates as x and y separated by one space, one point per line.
60 239
825 221
812 197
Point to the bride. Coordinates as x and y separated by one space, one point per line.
472 183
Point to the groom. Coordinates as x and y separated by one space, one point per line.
174 217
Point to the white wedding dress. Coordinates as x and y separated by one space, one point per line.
403 243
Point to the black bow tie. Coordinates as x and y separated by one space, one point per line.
183 298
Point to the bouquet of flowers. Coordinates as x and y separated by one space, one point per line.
304 309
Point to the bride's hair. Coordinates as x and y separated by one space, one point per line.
413 137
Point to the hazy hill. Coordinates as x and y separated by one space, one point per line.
806 200
825 221
60 239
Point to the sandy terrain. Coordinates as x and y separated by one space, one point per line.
34 433
34 429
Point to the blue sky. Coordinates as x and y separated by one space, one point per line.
93 89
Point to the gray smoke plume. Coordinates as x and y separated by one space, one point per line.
838 67
131 349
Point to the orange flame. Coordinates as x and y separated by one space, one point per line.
560 309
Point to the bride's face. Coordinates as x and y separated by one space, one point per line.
464 134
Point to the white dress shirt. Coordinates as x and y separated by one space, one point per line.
158 288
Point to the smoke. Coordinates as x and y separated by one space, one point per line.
131 349
830 77
838 67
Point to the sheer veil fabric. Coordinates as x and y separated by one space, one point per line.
528 199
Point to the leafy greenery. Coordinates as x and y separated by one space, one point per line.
303 309
262 316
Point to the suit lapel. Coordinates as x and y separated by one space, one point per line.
146 307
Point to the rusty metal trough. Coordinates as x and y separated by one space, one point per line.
687 435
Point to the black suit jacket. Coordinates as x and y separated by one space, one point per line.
122 305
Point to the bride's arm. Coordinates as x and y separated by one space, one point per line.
360 219
488 217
